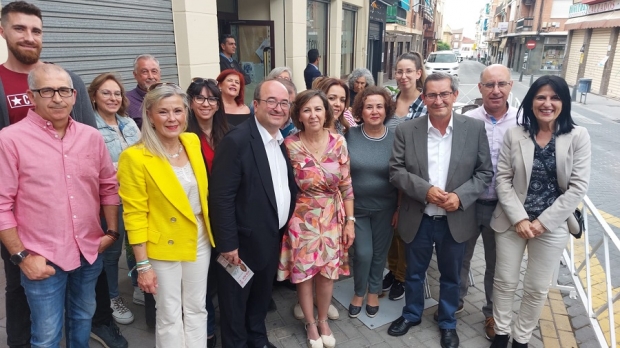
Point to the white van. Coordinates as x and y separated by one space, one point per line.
442 61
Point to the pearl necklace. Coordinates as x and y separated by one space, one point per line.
178 152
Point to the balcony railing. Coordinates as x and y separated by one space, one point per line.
499 10
524 24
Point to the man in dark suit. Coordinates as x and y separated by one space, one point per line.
441 163
312 70
228 48
251 199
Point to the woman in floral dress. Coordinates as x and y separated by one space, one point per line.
322 227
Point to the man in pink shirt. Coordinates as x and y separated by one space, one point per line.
57 177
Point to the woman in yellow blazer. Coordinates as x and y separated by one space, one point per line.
164 191
543 173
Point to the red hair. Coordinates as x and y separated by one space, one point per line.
224 74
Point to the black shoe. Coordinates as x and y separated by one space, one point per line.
371 311
458 310
211 342
109 336
516 344
397 291
400 326
354 311
149 310
449 338
500 341
388 280
269 345
272 306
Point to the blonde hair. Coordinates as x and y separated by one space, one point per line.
149 139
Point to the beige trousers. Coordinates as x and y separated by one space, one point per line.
544 253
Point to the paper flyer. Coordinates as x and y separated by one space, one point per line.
242 273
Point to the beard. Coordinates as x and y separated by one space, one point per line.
24 56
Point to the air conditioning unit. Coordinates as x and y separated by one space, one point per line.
556 24
544 25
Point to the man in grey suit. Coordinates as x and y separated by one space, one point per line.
441 163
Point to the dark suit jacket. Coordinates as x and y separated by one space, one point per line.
469 173
242 201
310 73
226 64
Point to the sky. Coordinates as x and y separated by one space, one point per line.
463 14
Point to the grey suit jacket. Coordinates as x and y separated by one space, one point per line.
514 170
469 173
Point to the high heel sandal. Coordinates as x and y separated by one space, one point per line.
328 340
318 343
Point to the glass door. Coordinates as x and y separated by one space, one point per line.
254 49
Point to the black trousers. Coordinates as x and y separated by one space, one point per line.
243 310
17 309
103 311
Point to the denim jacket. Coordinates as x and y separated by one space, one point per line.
128 127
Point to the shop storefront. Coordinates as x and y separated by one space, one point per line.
554 48
376 28
316 30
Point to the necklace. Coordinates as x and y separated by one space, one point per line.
178 152
313 149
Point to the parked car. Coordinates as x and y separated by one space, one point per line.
442 61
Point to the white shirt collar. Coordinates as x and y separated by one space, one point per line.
266 136
448 129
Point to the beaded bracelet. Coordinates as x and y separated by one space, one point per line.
145 269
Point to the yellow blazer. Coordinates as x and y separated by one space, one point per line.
156 209
514 169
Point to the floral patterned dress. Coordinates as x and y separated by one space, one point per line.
313 244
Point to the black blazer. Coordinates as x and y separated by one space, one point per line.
227 64
310 73
242 202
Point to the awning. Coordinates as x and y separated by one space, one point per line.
599 20
503 44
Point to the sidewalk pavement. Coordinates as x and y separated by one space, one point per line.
287 332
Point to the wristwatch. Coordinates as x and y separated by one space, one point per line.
113 234
351 218
19 257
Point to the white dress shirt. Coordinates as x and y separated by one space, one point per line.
439 152
279 175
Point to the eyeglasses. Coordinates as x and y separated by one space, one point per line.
200 80
160 84
201 99
405 72
433 96
491 85
109 94
272 103
64 92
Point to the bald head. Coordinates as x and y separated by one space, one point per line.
495 86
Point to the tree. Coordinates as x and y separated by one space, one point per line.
442 46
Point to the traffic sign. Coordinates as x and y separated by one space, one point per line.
531 44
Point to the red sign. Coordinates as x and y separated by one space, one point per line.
531 44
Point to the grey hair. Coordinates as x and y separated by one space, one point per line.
359 72
438 76
149 137
141 57
276 72
46 69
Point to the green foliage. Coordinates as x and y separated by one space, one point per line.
442 46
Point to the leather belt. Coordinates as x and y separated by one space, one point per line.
436 217
487 202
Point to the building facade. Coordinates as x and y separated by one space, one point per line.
93 38
592 44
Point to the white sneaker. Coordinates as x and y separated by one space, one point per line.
121 313
138 296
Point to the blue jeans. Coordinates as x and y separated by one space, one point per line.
449 261
71 293
113 254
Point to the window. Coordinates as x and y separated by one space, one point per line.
347 47
317 31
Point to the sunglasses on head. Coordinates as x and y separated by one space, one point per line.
159 84
200 80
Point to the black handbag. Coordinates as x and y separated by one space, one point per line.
575 222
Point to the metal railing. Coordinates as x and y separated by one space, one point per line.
578 257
